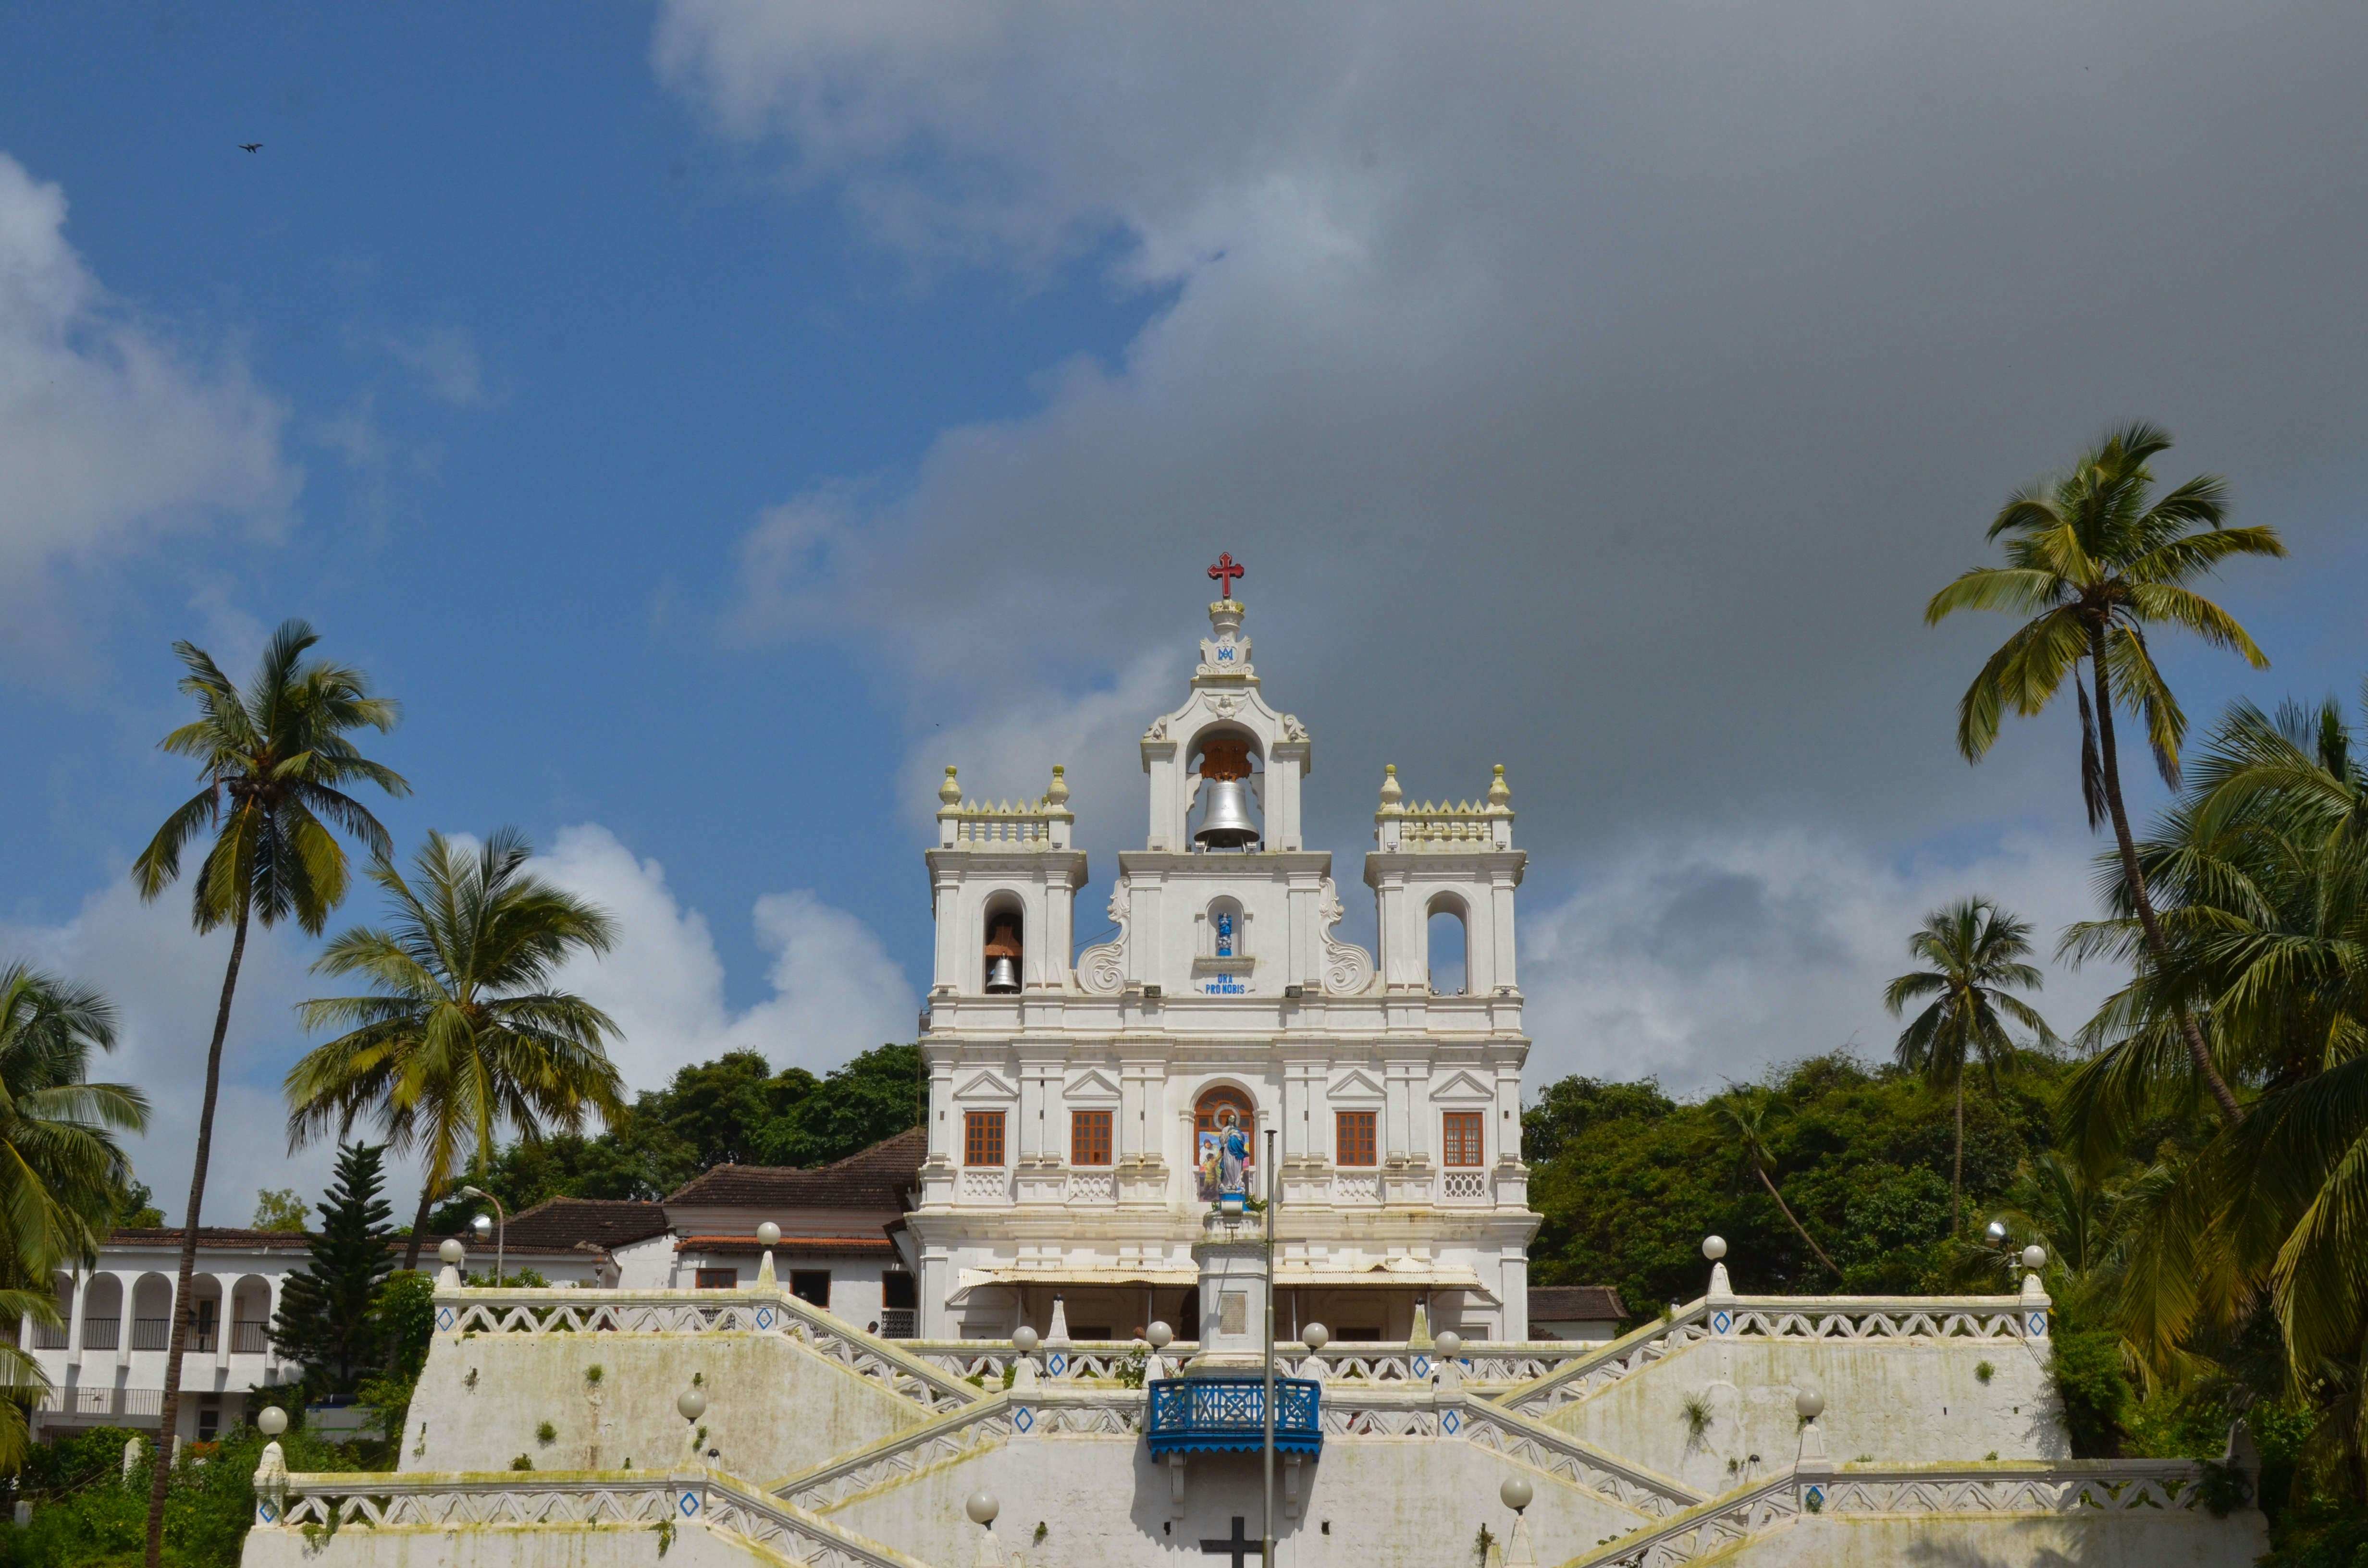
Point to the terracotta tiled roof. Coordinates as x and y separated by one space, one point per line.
789 1246
878 1177
601 1222
1575 1303
212 1236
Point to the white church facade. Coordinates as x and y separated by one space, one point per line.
1073 1101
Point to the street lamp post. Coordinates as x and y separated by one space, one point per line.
501 1229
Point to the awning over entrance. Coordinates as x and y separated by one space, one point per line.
1071 1278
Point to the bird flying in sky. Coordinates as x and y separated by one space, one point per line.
250 146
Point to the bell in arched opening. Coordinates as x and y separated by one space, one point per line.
1228 821
1003 954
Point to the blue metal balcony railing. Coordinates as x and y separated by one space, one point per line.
1228 1415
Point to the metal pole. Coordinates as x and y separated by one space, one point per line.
1266 1547
501 1227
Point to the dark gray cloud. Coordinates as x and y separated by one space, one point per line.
1597 390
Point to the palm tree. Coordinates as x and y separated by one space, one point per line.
61 1168
2263 869
1749 1120
2094 565
1976 951
273 757
461 1034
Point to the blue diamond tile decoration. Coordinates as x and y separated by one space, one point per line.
1025 1419
690 1503
443 1317
1058 1364
2038 1324
1817 1498
764 1317
1722 1322
1422 1366
270 1515
1450 1422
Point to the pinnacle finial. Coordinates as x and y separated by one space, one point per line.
950 791
1058 795
1392 793
1501 793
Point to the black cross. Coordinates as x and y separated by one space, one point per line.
1239 1548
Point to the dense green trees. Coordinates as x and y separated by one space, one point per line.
733 1109
1630 1180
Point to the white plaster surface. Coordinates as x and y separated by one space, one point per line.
1898 1401
773 1406
1390 1503
499 1546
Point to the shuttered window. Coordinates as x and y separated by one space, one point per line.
983 1138
1089 1138
1356 1145
1463 1137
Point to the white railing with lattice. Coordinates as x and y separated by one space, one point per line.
986 1183
1093 1186
754 1310
1355 1187
317 1505
1779 1317
1463 1187
2097 1489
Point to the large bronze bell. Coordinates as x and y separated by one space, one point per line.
1226 819
1002 957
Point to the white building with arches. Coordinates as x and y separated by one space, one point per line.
1073 1094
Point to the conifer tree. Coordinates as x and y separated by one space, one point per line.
327 1319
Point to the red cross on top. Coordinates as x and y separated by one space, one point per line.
1225 571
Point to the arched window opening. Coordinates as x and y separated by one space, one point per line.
102 1313
1228 930
1224 1135
1448 945
1229 795
1004 952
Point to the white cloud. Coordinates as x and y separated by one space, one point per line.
835 989
444 362
112 433
1708 960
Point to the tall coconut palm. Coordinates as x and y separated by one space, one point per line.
1749 1113
61 1170
1978 952
462 1035
2095 563
275 761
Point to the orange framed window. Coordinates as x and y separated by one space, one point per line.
1356 1144
1463 1137
982 1138
1089 1138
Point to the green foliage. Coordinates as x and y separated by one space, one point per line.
1630 1180
733 1109
521 1461
135 1208
327 1319
1984 1372
2086 1365
279 1209
86 1514
405 1308
546 1434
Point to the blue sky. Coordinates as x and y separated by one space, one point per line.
710 419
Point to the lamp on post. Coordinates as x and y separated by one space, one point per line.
501 1229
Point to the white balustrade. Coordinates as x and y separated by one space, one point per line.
1463 1187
